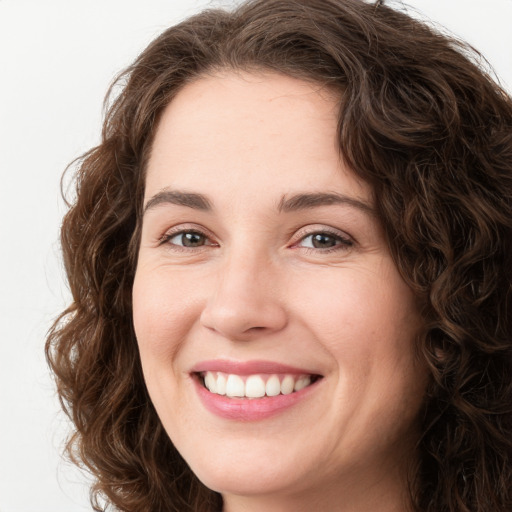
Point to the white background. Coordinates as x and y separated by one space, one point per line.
57 58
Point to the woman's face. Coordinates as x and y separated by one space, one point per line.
263 269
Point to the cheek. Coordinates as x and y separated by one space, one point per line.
368 322
359 307
164 310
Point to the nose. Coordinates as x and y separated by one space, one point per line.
245 303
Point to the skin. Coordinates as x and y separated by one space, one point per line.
256 287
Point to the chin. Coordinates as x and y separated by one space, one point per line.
248 481
252 468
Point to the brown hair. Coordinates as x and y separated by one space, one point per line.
420 122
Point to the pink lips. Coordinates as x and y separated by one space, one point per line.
247 367
244 409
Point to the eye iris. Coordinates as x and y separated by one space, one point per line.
192 239
322 240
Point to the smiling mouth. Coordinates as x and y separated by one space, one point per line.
254 386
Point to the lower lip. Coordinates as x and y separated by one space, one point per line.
250 409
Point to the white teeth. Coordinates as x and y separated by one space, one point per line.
210 382
273 386
235 386
302 382
254 386
221 384
287 385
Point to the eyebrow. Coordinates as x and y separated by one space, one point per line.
315 200
189 199
293 203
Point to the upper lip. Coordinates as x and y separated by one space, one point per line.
248 367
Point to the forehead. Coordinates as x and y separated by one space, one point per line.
246 131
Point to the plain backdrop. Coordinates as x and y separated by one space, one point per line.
57 58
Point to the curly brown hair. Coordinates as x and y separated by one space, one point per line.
425 127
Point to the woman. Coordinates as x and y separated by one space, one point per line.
290 260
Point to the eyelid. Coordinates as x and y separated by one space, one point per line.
187 228
345 241
313 229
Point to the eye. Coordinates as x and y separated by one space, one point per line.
186 239
325 241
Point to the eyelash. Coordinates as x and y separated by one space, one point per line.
166 239
342 242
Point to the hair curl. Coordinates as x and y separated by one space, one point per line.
421 123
